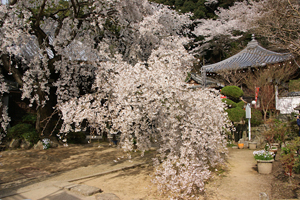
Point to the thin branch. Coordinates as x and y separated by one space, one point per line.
74 8
39 16
293 7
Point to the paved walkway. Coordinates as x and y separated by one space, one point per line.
63 186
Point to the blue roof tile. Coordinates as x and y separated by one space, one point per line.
253 55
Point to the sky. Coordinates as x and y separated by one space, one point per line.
4 1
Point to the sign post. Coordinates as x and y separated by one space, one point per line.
248 116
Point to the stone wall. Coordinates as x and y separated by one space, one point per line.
256 132
256 135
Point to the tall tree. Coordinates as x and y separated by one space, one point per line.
117 66
272 19
150 101
279 23
52 48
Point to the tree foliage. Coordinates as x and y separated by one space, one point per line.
234 104
199 8
232 92
266 79
116 66
256 117
230 103
236 114
294 85
279 23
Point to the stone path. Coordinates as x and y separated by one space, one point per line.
63 186
242 181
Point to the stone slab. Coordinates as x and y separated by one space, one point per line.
65 185
107 196
85 190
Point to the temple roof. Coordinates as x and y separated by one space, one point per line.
252 56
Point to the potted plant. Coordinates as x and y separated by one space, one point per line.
264 160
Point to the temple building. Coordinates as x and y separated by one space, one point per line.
252 56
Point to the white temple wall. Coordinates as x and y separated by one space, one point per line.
286 105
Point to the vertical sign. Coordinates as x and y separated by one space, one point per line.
248 116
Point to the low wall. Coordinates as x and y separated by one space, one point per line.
256 132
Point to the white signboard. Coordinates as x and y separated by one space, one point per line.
248 111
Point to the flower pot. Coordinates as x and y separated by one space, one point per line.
241 145
275 144
265 166
252 145
274 149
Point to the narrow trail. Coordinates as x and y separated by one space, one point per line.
241 180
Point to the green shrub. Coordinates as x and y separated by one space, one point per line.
31 136
232 92
23 131
256 117
29 119
236 114
289 161
230 103
240 104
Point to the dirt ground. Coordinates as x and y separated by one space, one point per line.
239 180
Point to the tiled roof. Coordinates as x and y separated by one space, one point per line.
209 81
293 94
76 49
253 55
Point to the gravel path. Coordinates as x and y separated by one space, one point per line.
241 181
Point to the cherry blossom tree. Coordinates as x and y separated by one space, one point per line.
232 22
4 119
155 104
272 19
53 51
40 50
117 66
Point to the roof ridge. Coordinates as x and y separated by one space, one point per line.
242 59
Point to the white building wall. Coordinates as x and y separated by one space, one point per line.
286 105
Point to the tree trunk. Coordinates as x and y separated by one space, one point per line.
38 121
265 114
7 66
43 115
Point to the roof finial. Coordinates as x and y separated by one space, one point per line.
253 43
